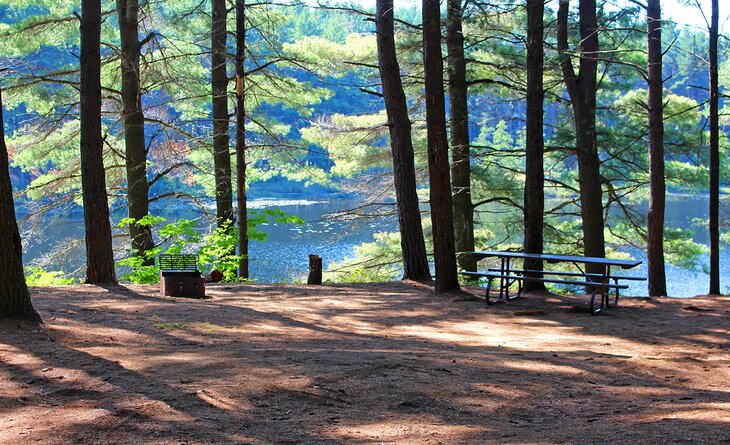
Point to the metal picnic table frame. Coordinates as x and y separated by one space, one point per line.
505 270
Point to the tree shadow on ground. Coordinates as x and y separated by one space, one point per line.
361 364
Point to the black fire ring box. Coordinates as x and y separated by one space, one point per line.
180 277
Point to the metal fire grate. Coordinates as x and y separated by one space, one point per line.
178 262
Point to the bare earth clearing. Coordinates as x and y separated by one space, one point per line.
371 363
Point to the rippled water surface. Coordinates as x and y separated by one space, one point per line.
283 257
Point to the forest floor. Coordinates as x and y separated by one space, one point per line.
369 363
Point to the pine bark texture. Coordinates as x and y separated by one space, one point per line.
99 254
134 128
657 191
413 248
442 217
221 138
460 142
714 155
14 297
241 139
534 204
582 90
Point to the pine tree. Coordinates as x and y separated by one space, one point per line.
442 211
657 190
534 206
99 254
714 155
14 297
241 139
221 138
413 248
582 89
134 128
460 143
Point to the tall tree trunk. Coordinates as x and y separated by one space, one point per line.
534 171
99 254
442 211
413 247
134 131
219 80
14 297
714 156
460 142
657 190
582 90
241 138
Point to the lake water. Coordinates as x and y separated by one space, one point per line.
283 257
681 212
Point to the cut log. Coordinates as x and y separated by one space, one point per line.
214 277
315 270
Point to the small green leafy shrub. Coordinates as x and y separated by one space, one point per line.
35 276
215 251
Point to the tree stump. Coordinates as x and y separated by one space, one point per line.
315 270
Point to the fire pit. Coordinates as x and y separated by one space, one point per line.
180 277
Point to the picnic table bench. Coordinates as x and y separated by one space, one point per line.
597 283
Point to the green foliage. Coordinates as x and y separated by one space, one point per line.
139 273
379 260
257 218
334 59
681 250
35 276
215 250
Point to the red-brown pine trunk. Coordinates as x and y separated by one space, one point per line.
582 90
241 139
99 254
657 191
460 143
413 247
221 138
442 215
714 155
534 173
14 297
134 129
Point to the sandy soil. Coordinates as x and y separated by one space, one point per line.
375 363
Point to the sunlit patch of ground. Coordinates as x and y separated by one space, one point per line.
371 363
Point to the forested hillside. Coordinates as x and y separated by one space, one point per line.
309 90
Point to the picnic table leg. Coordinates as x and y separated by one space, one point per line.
501 280
489 287
608 291
596 310
506 281
606 280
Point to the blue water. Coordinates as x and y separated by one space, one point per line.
686 212
283 257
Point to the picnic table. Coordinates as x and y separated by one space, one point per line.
597 282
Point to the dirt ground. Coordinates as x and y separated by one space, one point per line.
360 364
